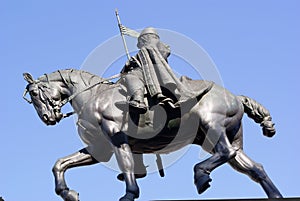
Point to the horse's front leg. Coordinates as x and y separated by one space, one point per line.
111 125
125 161
80 158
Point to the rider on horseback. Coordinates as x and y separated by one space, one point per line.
150 69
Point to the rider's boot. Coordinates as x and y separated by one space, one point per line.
163 100
136 102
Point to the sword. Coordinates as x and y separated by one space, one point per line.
122 35
160 165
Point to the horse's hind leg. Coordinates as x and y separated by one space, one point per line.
242 163
222 152
80 158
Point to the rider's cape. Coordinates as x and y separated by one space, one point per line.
157 73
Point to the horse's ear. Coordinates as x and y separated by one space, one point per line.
28 78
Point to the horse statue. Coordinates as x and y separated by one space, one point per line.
213 121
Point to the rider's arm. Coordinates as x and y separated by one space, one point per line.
130 65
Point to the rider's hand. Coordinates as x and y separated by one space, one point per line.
131 63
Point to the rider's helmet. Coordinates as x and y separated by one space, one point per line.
143 40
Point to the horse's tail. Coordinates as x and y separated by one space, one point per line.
259 114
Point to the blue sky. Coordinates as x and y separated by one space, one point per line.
255 46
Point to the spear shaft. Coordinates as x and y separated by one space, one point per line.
122 35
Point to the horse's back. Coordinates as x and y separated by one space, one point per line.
219 107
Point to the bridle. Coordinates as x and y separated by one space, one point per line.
65 101
55 104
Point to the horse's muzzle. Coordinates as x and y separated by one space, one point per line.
48 120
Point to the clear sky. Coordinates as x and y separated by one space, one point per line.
255 46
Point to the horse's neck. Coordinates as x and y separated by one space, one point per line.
75 82
80 83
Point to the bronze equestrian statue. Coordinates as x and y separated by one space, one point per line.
212 120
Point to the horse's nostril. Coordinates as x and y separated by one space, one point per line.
45 117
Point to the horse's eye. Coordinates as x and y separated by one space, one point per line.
55 95
56 98
33 93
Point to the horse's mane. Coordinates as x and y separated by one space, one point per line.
67 74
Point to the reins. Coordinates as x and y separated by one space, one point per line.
70 98
88 88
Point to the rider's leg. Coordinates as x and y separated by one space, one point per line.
136 89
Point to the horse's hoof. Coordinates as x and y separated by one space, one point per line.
128 197
70 195
275 195
202 182
120 177
60 188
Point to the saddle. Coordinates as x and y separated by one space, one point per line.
199 86
171 103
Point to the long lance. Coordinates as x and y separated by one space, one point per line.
122 35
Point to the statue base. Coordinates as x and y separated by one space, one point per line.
244 199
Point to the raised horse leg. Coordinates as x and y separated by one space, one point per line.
222 152
80 158
242 163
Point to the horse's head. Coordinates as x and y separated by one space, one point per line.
46 98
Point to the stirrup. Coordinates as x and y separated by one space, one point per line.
135 106
139 107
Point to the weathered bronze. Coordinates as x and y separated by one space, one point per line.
211 120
